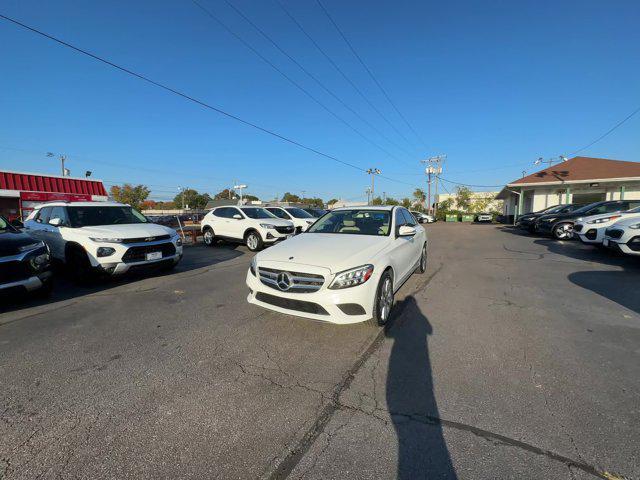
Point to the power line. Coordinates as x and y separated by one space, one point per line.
181 94
315 79
214 17
608 131
344 75
373 77
468 185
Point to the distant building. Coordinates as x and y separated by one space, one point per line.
21 192
488 198
577 180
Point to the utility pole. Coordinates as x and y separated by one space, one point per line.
373 172
433 170
384 198
369 198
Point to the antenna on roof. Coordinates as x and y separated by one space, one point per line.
563 158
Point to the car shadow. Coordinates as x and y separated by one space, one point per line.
576 250
195 257
422 450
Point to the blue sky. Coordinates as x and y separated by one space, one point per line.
494 85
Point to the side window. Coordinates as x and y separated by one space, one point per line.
614 207
278 212
234 211
221 212
632 204
400 220
58 212
43 216
409 219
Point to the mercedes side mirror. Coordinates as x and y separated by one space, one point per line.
237 216
406 231
56 222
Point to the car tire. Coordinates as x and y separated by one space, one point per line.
253 241
422 266
208 237
383 302
79 266
563 231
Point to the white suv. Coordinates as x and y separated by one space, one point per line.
104 237
253 226
591 229
624 235
301 219
344 269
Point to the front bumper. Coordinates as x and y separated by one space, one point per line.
29 284
120 268
589 233
132 255
305 304
621 246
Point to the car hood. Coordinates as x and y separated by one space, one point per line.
278 222
628 219
11 241
335 252
135 230
607 215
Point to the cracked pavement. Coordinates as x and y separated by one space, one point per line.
512 357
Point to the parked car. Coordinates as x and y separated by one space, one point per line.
301 219
344 269
315 212
591 229
103 238
423 217
560 225
624 236
528 221
484 217
253 226
25 263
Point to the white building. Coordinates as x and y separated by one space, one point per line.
578 180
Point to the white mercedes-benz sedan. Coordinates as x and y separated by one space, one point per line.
344 269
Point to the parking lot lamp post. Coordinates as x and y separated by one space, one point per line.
240 187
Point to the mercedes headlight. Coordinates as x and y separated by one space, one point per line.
268 226
252 266
352 277
106 240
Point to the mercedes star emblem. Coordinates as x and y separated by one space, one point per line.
284 281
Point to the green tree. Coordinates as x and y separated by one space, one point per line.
250 198
376 201
190 198
481 204
313 202
226 194
463 198
290 197
332 201
129 194
419 195
406 202
392 201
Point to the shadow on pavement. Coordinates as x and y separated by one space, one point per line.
197 256
619 287
422 450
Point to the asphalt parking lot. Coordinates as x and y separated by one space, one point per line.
514 356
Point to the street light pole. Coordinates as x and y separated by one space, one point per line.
240 187
433 169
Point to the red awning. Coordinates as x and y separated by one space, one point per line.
27 182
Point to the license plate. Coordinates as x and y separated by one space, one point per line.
605 242
154 255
